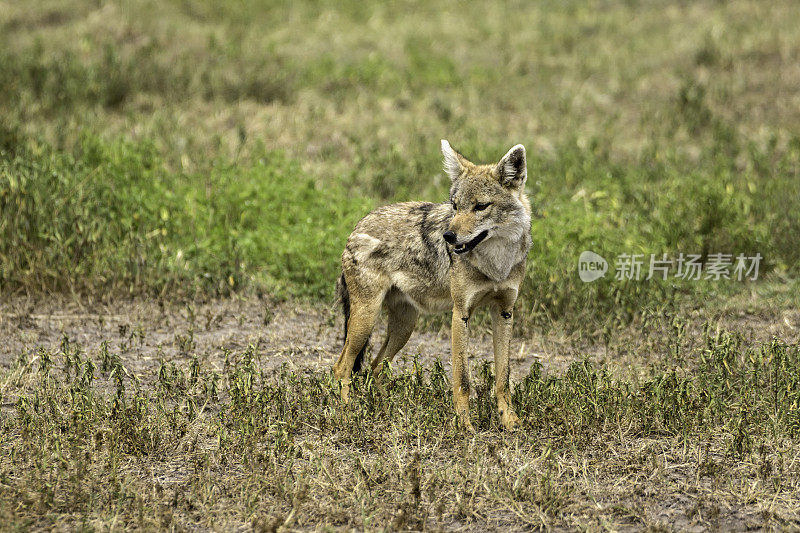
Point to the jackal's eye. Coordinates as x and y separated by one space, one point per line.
481 207
453 203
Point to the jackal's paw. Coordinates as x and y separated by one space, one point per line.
509 419
344 391
465 424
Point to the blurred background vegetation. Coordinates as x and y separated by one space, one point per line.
193 148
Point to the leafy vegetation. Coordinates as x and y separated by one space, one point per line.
110 216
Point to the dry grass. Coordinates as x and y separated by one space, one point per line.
330 83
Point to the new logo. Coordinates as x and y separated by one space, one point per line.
591 266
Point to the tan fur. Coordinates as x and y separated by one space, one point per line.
397 259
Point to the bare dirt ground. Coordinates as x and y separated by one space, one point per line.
309 337
301 336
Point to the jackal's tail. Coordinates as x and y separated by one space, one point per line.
344 297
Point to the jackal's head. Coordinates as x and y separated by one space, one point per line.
488 200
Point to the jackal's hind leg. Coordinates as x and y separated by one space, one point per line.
359 327
401 319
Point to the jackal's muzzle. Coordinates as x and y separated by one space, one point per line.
464 247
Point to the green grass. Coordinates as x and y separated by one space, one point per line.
195 148
109 217
88 443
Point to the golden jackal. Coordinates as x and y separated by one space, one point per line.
417 257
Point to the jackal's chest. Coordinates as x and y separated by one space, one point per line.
498 257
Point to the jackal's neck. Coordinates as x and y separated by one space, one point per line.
497 255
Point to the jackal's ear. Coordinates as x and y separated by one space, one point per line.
512 170
454 163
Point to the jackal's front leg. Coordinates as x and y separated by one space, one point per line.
460 368
502 322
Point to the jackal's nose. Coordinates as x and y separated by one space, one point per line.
449 237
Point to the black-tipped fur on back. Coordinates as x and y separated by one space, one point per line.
344 296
